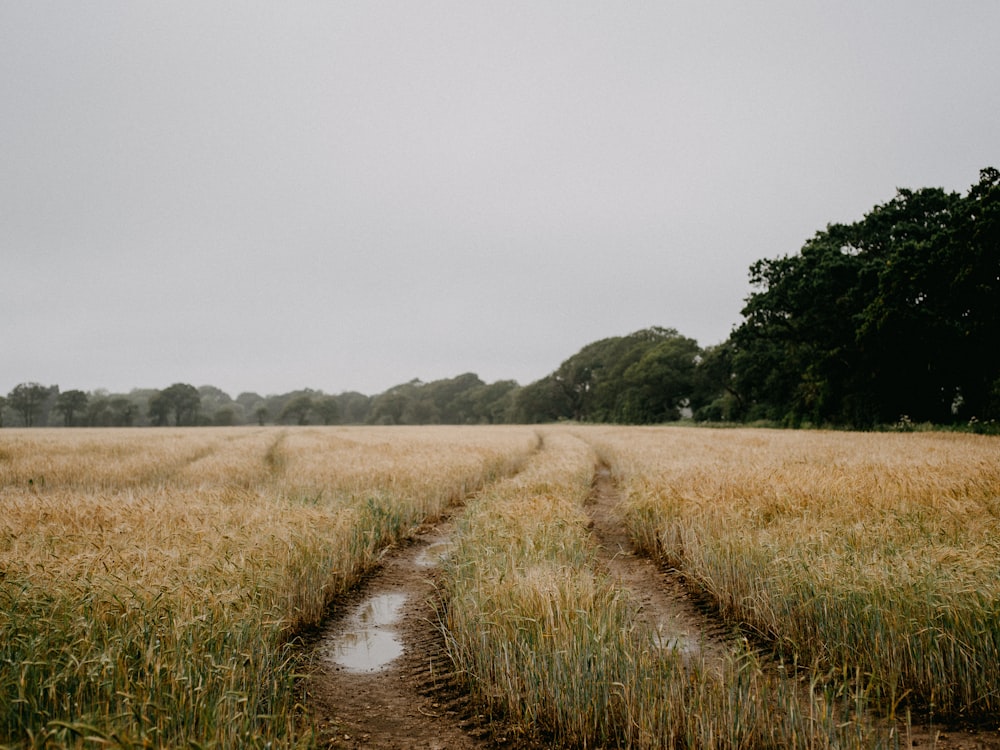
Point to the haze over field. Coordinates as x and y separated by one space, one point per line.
346 196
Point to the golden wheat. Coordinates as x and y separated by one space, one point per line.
150 580
550 643
869 554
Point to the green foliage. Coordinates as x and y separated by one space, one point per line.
217 408
642 378
327 409
464 399
104 410
28 400
69 404
297 410
895 314
354 407
542 401
180 400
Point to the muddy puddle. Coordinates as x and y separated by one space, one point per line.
382 676
683 645
369 641
433 554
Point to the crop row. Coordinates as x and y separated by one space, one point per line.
152 582
555 647
865 554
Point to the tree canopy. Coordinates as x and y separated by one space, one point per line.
28 400
895 315
641 378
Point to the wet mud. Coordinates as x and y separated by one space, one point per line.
381 677
666 604
370 642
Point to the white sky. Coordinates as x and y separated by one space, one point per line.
347 195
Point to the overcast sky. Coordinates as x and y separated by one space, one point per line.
348 195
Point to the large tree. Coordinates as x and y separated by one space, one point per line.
69 404
27 399
896 314
180 400
644 377
661 383
297 409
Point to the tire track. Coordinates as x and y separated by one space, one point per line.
666 604
413 701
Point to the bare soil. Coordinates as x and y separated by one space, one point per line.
414 701
667 604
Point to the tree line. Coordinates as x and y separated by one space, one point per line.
465 399
893 319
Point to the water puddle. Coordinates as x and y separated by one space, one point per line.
693 649
369 642
432 555
682 644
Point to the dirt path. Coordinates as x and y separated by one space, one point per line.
411 700
381 677
666 604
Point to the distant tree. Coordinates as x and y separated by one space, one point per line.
185 402
159 409
140 398
420 410
494 403
249 401
123 411
621 378
715 396
393 406
27 399
180 400
253 407
545 400
69 404
452 400
297 409
215 401
327 409
99 410
3 405
659 384
224 417
354 407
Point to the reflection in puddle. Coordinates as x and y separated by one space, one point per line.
680 643
432 555
369 643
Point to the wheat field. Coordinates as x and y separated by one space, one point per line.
868 554
154 582
556 647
